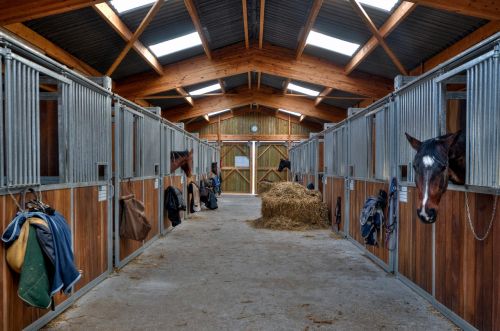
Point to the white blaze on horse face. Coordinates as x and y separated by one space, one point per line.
423 212
428 161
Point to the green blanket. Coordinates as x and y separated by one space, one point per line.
34 286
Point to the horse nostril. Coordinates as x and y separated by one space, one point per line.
432 213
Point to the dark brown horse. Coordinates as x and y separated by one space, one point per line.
437 161
283 165
183 160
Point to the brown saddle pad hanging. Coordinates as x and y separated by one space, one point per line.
133 223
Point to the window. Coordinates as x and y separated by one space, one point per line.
176 45
332 44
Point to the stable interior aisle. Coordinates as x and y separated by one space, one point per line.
216 272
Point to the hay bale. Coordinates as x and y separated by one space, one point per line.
290 206
264 187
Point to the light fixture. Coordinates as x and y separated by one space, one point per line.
290 112
176 44
206 89
332 44
218 112
386 5
126 5
300 89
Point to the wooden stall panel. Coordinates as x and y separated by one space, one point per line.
151 199
467 273
90 234
334 188
128 246
15 315
415 244
236 179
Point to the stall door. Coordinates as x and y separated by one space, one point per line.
236 165
268 157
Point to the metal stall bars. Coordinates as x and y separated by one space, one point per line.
481 78
50 158
137 168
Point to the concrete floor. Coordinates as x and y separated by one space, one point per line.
215 272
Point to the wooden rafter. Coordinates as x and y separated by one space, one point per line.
322 95
130 43
369 23
51 49
308 26
285 85
266 97
221 83
245 22
473 38
235 60
261 25
16 11
487 9
191 8
196 126
404 9
258 80
186 96
249 79
108 14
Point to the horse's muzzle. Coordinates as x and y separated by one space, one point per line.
427 217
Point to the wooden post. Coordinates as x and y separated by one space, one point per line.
218 130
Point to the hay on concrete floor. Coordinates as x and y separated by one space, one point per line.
291 206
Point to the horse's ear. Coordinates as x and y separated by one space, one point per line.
415 143
450 138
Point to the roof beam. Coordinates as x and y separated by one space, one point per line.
285 85
487 9
258 80
267 97
221 83
369 23
235 60
473 38
308 26
16 11
191 8
322 95
108 14
249 79
245 22
51 49
130 43
186 96
404 9
261 27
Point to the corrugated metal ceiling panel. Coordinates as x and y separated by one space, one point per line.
82 33
284 20
222 21
233 82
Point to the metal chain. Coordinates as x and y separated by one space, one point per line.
470 221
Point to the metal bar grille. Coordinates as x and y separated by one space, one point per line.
418 117
21 129
483 118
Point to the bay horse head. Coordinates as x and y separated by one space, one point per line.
183 160
432 165
283 164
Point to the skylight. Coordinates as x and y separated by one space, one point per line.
386 5
206 89
126 5
304 90
176 45
331 43
290 112
218 112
